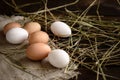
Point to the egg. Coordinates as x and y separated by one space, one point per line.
38 37
60 29
16 35
58 58
32 27
10 26
7 19
38 51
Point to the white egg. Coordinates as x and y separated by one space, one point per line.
58 58
16 35
60 29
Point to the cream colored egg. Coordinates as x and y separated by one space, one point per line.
16 35
60 29
39 37
32 27
38 51
10 26
58 58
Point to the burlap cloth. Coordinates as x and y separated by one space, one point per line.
15 66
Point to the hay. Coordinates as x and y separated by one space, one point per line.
95 40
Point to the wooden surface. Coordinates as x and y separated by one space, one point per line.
107 7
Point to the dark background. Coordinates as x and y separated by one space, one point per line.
107 7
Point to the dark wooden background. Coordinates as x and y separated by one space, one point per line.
107 7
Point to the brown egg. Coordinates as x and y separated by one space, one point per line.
38 37
10 26
32 27
38 51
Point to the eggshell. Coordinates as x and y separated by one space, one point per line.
32 27
38 51
60 29
58 58
10 26
3 23
39 37
16 35
7 19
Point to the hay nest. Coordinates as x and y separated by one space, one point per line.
94 43
16 66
